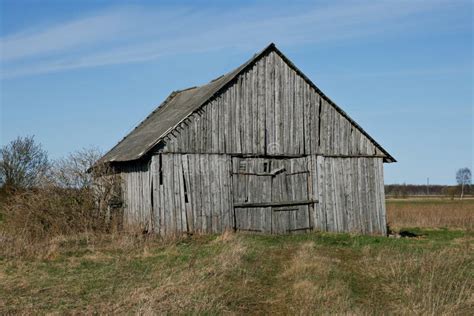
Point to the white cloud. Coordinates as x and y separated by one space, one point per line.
69 35
137 34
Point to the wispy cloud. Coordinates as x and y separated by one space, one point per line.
67 36
136 34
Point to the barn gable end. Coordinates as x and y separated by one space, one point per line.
271 109
265 106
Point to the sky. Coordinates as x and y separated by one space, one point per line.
78 74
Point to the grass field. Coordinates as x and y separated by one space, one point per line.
308 274
431 212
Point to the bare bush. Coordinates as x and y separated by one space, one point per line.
73 171
23 163
80 171
43 212
106 190
74 198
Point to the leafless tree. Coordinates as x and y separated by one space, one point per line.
92 181
80 171
23 163
73 171
463 178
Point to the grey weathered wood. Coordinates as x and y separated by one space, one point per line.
267 204
206 194
245 119
381 196
268 114
178 193
349 191
163 211
198 192
169 226
155 196
188 185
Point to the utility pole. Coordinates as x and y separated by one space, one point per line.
428 186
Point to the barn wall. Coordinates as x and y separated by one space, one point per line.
192 193
175 193
269 110
136 191
195 193
351 195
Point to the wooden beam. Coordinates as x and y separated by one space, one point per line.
270 204
303 228
268 174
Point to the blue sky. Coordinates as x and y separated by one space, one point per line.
83 73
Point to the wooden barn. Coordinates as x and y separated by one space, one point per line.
258 149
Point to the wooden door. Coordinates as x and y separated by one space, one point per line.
290 189
271 195
252 192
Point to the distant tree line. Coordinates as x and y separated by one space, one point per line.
406 190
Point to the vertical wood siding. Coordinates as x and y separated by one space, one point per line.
192 193
136 190
179 193
351 195
269 110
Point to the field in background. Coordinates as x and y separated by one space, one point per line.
431 212
237 273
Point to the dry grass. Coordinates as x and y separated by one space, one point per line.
129 273
245 274
311 287
434 283
431 213
91 272
190 288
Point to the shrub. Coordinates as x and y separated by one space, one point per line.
38 213
71 200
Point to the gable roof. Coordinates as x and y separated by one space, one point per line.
182 103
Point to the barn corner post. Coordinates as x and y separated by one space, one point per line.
259 149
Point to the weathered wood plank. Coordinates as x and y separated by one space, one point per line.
268 204
206 194
380 180
187 188
198 192
155 214
214 176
